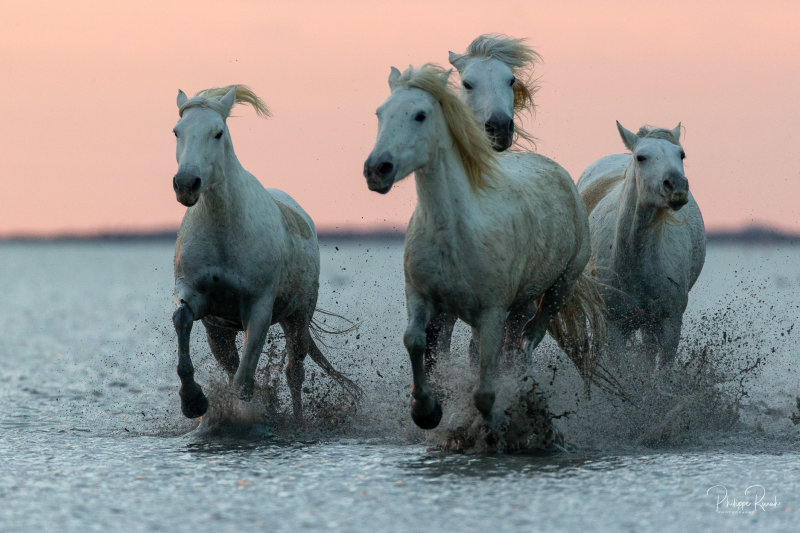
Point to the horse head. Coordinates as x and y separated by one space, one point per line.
490 73
202 137
658 166
410 125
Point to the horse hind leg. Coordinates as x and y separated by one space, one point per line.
222 342
668 337
193 402
550 303
437 338
297 346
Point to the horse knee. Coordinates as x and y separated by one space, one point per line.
415 341
182 318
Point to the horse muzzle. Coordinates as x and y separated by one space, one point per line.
187 188
500 129
380 173
678 199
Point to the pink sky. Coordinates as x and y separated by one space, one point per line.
88 100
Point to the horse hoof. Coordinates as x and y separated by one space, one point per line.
427 418
193 402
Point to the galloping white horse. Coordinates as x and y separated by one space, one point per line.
649 253
246 257
487 238
497 83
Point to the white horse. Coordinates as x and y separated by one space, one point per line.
649 253
246 257
488 241
497 83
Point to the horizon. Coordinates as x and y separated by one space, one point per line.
90 102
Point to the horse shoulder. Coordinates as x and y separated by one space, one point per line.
295 220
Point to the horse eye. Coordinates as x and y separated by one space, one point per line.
512 82
420 117
218 135
467 85
683 155
640 158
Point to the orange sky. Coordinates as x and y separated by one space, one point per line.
88 99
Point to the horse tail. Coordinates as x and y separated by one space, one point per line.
316 330
579 328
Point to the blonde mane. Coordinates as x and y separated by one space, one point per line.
521 59
651 132
209 98
471 142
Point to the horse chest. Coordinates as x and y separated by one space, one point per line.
436 275
227 276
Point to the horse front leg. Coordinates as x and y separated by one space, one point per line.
193 402
491 326
256 329
426 411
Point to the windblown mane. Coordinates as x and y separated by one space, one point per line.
472 144
210 98
521 59
657 133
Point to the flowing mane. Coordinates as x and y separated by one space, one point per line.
209 98
650 132
521 59
472 144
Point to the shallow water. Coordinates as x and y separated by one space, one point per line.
91 435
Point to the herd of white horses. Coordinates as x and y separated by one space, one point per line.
502 240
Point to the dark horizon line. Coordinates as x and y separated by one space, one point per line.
747 234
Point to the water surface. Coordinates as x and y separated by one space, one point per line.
91 435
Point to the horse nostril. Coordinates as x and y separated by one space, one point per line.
385 168
489 127
668 185
174 183
196 184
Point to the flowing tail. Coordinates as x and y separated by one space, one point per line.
579 328
316 330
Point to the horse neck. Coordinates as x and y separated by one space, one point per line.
444 195
636 236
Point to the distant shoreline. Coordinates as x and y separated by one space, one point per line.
749 235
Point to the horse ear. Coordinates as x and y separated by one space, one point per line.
629 139
457 60
228 100
394 75
182 98
677 132
446 75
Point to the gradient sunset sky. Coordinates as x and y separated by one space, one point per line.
88 100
